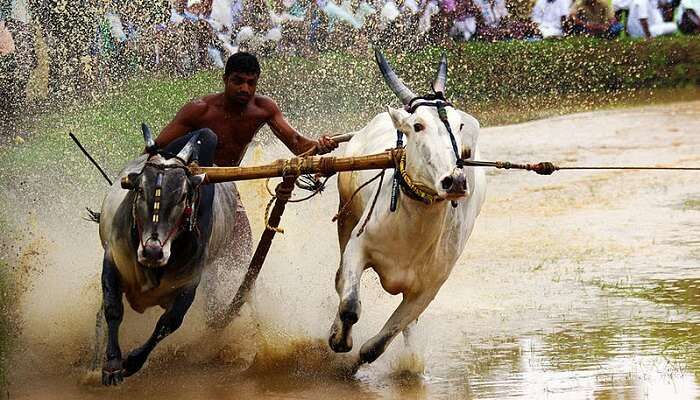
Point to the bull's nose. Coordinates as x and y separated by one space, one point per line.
454 183
153 252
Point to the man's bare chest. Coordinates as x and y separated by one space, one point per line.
233 130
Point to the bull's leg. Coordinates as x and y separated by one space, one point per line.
168 323
112 372
408 335
408 311
347 284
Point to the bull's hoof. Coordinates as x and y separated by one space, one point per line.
134 362
339 342
112 372
371 350
349 311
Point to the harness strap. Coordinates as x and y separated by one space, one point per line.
442 113
411 189
397 176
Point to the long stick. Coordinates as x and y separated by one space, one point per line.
80 146
548 168
256 263
330 165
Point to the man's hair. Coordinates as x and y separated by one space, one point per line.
242 62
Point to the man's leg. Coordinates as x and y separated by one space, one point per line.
207 147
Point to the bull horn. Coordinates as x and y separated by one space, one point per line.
186 151
400 90
441 78
148 137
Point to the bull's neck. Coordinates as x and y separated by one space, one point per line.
424 217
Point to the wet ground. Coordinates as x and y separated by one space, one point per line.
581 285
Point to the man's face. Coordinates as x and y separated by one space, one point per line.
239 87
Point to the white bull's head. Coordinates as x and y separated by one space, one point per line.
163 201
436 136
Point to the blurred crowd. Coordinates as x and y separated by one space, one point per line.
89 43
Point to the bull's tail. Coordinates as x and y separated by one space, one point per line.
92 216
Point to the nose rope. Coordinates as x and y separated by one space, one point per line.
442 113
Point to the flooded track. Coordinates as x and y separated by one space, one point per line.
581 285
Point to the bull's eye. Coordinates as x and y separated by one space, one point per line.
418 127
466 153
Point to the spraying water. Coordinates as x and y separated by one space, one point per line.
571 286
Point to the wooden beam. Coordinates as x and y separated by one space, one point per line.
299 165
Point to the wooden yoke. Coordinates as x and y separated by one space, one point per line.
299 165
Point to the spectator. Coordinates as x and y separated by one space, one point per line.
594 18
17 59
494 22
688 17
7 43
621 9
645 20
549 15
464 20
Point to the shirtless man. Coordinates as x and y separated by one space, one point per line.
236 115
226 124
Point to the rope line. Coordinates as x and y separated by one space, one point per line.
374 203
548 168
343 210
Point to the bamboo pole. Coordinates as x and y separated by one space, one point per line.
300 165
256 263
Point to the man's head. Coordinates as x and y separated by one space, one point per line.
241 77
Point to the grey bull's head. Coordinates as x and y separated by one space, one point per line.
163 202
436 136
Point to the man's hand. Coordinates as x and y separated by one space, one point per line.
325 145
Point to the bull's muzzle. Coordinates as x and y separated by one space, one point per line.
152 254
455 184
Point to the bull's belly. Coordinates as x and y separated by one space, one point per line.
142 291
141 301
407 272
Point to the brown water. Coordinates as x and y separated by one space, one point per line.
581 285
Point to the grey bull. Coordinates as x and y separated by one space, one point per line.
161 230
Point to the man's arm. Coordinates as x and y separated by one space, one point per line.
185 121
289 136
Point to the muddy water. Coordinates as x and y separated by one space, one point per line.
577 285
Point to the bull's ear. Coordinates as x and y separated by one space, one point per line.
131 181
197 180
398 118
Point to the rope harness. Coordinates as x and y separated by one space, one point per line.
401 177
188 218
293 168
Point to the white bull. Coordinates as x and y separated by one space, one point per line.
414 248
